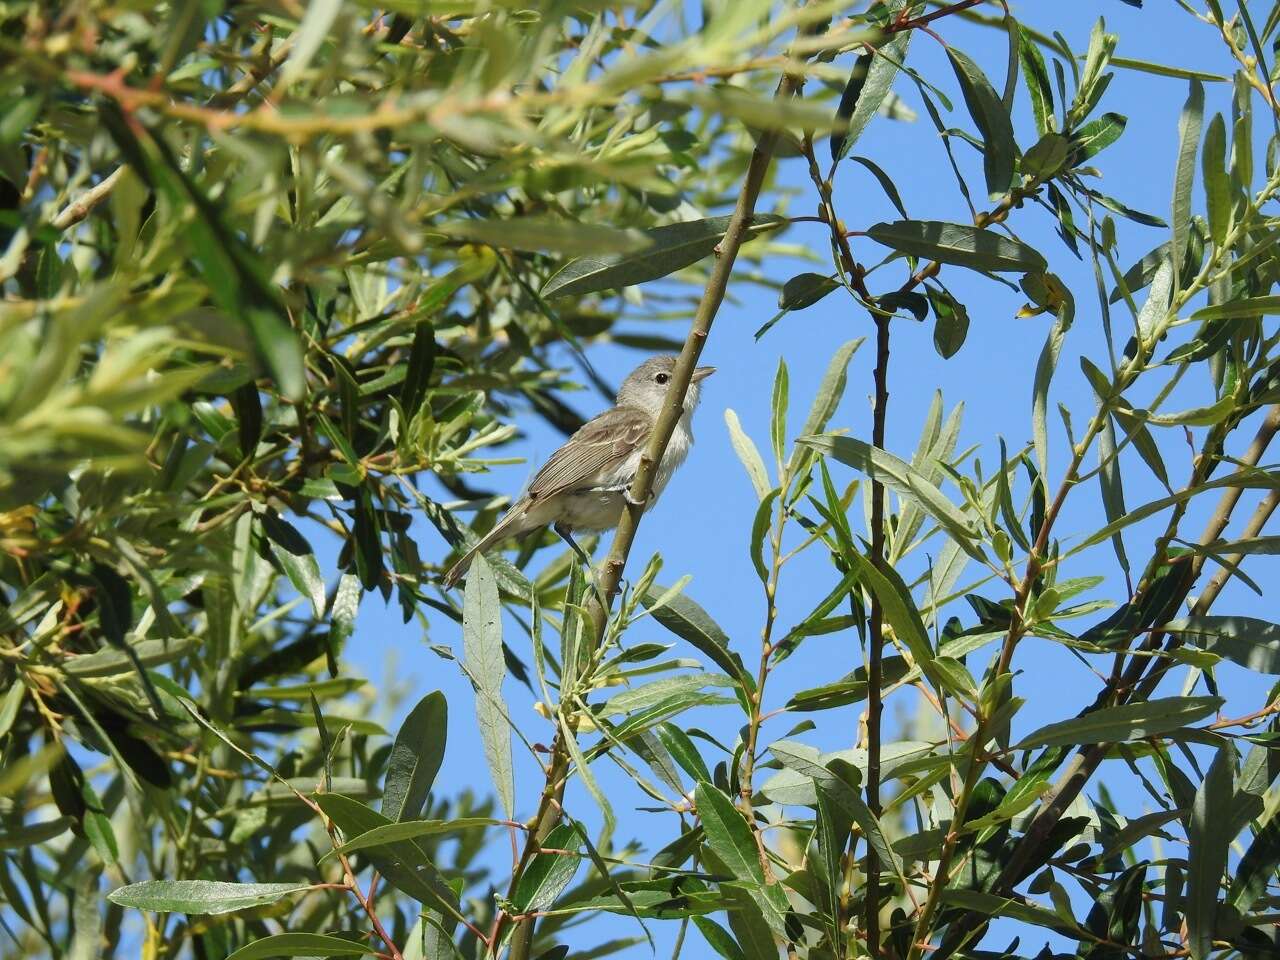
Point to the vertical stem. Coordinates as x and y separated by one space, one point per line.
875 705
673 408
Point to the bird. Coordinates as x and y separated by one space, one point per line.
585 484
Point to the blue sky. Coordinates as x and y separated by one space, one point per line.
702 525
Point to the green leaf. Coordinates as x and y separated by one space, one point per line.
1095 136
747 452
30 834
390 834
301 945
1209 836
1047 156
317 20
730 839
482 646
1245 307
687 620
672 247
1257 867
1217 183
297 559
547 234
864 94
1037 79
547 874
683 751
991 905
760 528
900 477
951 322
1046 366
1184 174
1130 721
415 758
958 244
778 406
418 369
1253 644
825 401
200 896
992 120
405 864
1245 479
804 290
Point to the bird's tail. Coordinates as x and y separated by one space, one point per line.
509 526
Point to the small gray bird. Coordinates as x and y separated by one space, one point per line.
584 485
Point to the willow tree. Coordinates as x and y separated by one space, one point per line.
283 276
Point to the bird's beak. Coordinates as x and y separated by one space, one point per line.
701 373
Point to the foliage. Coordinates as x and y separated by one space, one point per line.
278 278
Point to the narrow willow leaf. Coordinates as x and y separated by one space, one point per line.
415 758
886 184
418 369
546 234
868 95
991 905
1167 70
1037 80
1244 479
1156 308
778 421
687 620
1095 136
951 322
405 864
301 945
1184 174
316 23
958 244
200 896
756 111
1251 643
899 610
1246 307
683 751
760 528
482 644
903 479
672 247
296 558
1045 368
27 835
746 450
1208 841
1047 156
804 290
992 120
1131 721
393 833
825 401
1217 183
730 839
1109 479
547 874
1257 867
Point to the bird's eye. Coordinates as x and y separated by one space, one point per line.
662 377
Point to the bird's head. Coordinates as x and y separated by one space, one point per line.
646 386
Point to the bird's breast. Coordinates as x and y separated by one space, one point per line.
677 451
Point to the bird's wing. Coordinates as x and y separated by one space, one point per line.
592 452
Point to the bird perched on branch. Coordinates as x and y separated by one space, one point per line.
585 484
